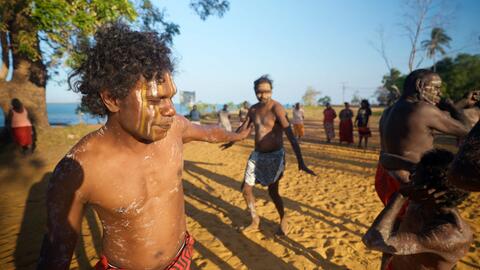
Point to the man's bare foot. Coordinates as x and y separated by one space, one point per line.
284 227
254 226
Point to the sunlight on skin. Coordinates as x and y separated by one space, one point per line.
150 95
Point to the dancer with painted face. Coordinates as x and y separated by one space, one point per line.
130 170
267 162
406 130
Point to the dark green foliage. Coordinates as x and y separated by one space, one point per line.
459 75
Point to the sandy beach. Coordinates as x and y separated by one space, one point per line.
328 213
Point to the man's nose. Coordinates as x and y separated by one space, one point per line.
169 109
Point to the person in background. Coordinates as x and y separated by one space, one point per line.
329 115
361 122
195 115
224 118
243 112
297 121
20 125
346 124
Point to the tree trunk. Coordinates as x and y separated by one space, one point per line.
24 86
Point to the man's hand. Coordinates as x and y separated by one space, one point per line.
472 98
226 145
422 193
303 167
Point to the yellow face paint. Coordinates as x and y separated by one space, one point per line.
155 107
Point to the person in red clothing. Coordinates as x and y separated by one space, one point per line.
329 115
20 124
346 124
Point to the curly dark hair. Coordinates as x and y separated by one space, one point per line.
263 79
432 172
116 61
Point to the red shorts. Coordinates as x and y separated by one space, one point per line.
181 262
389 265
386 186
22 135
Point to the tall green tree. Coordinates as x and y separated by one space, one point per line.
438 39
392 82
39 36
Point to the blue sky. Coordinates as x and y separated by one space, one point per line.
299 43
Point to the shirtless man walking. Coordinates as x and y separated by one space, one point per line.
432 234
130 170
406 130
267 162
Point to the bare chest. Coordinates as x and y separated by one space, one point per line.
127 184
264 119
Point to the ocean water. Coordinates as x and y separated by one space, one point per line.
64 114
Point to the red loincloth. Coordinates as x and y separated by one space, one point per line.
389 265
181 262
346 131
22 135
386 186
364 131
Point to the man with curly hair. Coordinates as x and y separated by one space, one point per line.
431 234
130 170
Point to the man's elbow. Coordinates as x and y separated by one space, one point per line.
373 240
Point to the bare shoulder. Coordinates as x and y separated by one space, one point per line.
69 174
276 106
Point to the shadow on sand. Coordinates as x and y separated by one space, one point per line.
33 228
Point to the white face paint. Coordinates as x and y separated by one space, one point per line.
263 92
431 89
147 112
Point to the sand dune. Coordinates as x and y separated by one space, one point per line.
328 213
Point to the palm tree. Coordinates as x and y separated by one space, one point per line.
438 39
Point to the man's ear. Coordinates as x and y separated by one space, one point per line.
110 102
419 85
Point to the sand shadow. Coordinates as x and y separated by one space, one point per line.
252 255
206 253
238 241
314 212
33 226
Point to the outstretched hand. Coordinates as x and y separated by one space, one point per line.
226 145
473 97
422 193
303 167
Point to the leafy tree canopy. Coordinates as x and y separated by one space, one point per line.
66 25
459 75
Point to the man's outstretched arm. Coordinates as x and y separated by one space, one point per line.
64 216
210 133
282 119
438 120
